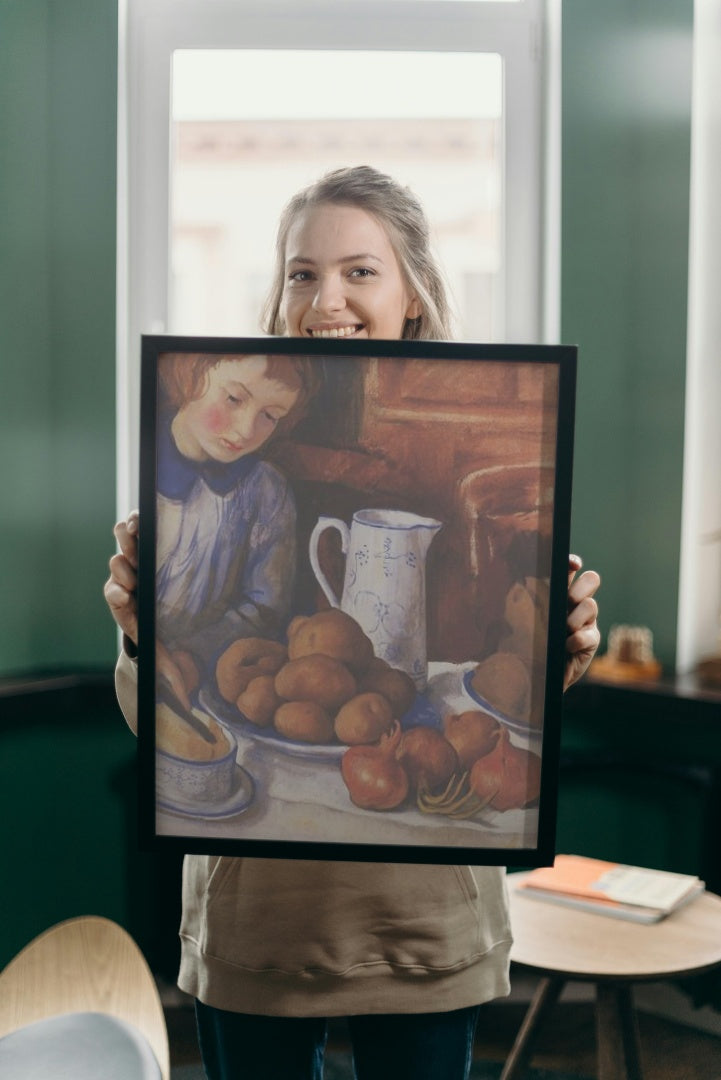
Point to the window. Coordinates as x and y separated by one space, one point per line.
231 104
235 160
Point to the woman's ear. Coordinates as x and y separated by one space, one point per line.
415 309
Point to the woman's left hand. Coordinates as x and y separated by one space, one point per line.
582 633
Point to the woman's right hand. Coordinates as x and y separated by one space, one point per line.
120 589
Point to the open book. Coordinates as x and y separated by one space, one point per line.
608 888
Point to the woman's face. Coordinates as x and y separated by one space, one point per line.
238 411
342 277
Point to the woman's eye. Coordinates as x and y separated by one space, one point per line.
362 272
272 419
232 399
300 276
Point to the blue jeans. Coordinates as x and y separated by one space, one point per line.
415 1046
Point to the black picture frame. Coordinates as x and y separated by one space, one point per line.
450 465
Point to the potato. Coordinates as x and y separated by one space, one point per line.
472 734
334 634
305 721
243 661
318 678
295 623
503 681
393 684
259 700
363 719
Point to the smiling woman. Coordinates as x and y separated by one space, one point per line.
353 259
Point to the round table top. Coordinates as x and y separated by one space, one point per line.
559 940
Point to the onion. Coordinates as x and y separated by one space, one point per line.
374 777
428 758
507 778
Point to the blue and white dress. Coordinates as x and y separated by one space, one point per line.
225 554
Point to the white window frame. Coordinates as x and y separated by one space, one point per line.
526 34
699 596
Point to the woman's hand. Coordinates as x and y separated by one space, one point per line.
121 587
583 636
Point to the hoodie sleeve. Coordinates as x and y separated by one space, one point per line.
126 689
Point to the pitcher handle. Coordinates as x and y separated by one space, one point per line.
321 525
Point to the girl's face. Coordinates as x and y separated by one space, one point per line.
342 277
238 411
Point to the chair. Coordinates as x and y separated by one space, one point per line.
79 1001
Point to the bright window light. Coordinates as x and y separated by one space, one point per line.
252 127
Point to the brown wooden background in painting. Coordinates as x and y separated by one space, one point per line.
470 443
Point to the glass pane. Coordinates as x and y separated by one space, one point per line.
250 128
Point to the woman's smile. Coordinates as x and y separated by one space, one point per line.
335 331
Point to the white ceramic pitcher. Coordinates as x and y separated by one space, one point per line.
384 586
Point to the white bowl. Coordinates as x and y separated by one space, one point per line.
184 778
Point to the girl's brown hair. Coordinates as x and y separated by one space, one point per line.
183 378
402 216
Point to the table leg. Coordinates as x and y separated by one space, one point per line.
545 997
617 1033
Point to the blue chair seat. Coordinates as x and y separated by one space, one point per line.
78 1046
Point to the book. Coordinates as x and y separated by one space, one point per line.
609 888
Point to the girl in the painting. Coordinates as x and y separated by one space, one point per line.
226 518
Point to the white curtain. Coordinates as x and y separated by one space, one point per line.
700 582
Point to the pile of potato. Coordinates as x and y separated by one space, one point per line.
326 686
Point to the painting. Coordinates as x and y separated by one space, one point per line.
352 597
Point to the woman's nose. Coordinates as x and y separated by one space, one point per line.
329 295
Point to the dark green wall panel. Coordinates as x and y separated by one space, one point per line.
58 78
626 145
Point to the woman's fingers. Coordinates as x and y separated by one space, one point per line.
123 572
582 609
583 636
123 607
126 534
575 562
581 595
121 587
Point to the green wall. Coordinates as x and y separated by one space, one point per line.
626 145
58 73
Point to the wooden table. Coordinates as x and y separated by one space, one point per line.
562 944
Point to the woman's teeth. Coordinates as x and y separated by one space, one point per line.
337 331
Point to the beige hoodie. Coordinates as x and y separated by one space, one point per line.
286 937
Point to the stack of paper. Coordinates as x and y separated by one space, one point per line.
608 888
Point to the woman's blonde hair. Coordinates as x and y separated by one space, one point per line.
403 217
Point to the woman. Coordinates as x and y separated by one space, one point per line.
271 948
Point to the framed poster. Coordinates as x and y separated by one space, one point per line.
353 571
